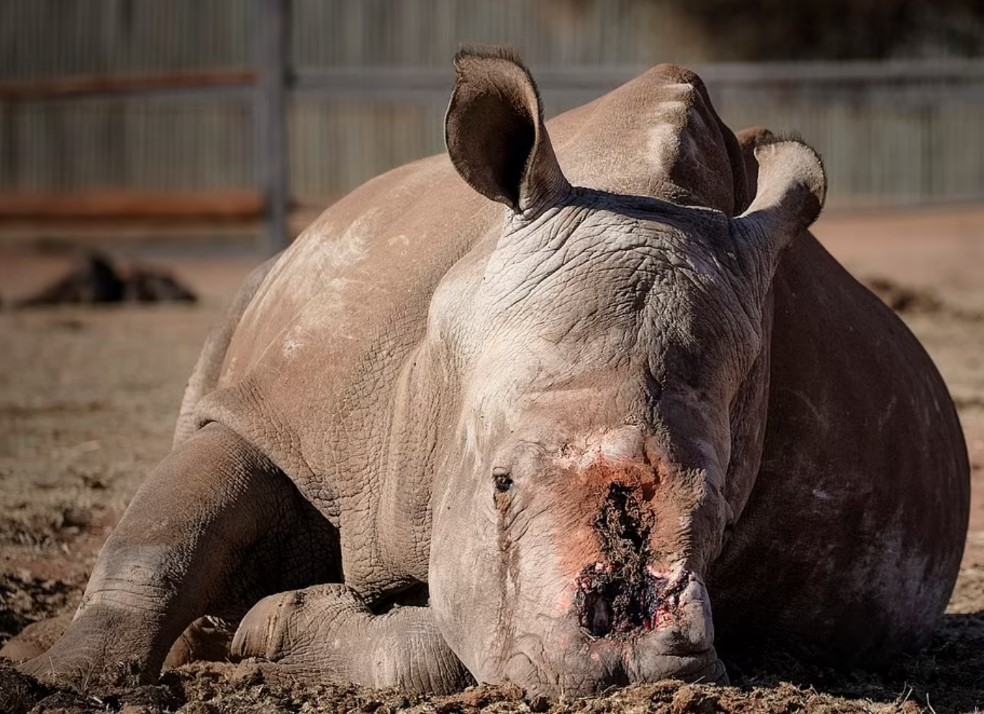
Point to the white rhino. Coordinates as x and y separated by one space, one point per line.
554 424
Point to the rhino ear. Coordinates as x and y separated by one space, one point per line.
792 187
495 134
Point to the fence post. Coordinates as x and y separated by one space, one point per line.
270 118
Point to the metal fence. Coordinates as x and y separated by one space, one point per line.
891 133
159 100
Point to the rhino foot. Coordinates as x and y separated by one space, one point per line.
84 658
327 634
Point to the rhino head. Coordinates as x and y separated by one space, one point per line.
607 361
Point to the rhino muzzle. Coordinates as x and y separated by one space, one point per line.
623 595
609 604
617 595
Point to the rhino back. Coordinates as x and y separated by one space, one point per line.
657 136
863 491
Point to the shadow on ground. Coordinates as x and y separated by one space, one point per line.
948 675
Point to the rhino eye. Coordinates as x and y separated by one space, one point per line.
502 478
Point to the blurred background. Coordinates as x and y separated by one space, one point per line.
190 113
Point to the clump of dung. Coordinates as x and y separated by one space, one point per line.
96 279
903 299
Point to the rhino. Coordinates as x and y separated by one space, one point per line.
575 405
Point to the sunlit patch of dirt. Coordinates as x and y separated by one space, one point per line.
909 300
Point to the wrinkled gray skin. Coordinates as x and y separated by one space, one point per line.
583 407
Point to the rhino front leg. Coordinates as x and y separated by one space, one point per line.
211 531
327 634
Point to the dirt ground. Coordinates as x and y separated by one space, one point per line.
88 398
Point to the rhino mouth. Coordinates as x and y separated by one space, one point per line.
621 595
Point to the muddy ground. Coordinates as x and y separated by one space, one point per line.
88 398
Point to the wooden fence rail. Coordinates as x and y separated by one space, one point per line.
142 85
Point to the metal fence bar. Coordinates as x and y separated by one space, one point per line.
102 86
841 72
386 84
272 147
398 83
